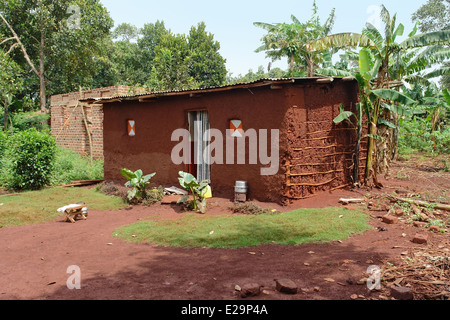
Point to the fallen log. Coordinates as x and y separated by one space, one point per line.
421 203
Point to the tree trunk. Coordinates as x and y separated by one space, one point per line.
371 150
41 74
356 179
310 68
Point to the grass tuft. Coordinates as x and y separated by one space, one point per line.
231 231
41 206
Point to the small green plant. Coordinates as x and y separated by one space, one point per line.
198 190
416 217
436 222
446 166
404 206
138 182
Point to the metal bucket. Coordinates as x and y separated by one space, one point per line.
241 187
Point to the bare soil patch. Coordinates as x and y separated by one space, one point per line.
34 259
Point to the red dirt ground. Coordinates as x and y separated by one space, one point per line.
34 259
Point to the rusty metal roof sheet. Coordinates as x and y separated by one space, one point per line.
252 84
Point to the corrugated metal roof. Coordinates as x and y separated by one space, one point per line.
154 94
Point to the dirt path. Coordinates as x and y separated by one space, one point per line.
34 261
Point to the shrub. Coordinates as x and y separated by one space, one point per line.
415 134
24 120
3 144
28 160
71 166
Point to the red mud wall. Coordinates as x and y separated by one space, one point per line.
303 113
320 153
150 150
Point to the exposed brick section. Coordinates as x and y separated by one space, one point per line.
420 238
67 122
390 219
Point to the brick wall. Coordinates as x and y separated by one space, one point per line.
67 121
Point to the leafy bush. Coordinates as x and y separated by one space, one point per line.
25 120
70 166
28 160
415 134
3 144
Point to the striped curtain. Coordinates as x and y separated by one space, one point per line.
200 122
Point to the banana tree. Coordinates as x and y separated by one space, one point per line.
375 78
419 65
290 39
370 106
198 190
138 182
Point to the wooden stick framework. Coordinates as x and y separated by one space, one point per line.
332 163
330 130
311 184
313 148
314 173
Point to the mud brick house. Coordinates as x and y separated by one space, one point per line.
78 126
278 135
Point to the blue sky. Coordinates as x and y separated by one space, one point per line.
231 21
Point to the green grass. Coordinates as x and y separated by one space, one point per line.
70 166
41 206
239 231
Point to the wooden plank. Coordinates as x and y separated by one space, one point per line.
82 183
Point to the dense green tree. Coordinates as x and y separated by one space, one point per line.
124 63
10 84
125 32
182 61
433 16
170 69
59 40
150 37
250 76
207 65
